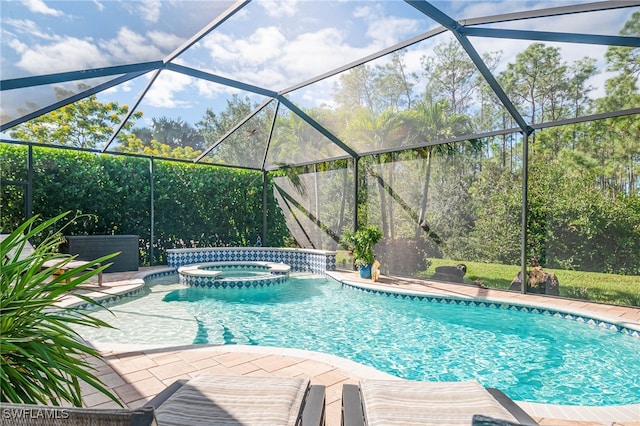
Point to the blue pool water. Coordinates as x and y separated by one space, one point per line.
240 273
531 357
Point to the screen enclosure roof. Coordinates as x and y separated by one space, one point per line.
267 84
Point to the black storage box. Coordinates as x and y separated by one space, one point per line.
90 247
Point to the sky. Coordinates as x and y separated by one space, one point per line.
273 44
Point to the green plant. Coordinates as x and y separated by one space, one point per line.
360 243
42 359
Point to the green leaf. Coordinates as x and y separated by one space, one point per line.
42 358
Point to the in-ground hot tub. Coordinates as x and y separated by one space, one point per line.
234 274
300 260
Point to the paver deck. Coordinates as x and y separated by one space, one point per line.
137 373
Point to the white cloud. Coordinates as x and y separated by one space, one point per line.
165 41
252 59
279 8
18 46
29 27
163 90
412 60
319 93
130 47
221 47
389 31
262 46
365 12
149 9
210 90
60 53
311 53
99 5
120 88
266 59
67 54
38 6
384 30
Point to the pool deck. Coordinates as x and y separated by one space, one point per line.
136 373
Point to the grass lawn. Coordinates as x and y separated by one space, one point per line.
593 286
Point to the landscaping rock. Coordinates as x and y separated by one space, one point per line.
540 282
451 273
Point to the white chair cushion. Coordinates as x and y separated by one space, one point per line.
401 402
235 400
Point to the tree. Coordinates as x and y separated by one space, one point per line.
167 137
545 89
247 144
626 59
433 122
372 131
176 133
497 202
616 141
394 85
387 86
533 80
452 76
87 123
355 89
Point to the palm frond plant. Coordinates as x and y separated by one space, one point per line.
42 359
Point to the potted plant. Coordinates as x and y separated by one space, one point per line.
42 358
360 243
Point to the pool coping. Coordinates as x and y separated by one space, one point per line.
607 414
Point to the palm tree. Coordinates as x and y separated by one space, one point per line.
433 121
378 131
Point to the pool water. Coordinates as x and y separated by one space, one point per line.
240 273
531 357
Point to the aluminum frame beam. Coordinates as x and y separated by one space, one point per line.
551 11
552 36
130 111
207 29
272 127
248 117
453 26
61 77
71 99
192 72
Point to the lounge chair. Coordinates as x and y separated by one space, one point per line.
204 400
240 400
402 402
55 263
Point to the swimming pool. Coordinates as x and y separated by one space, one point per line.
531 357
233 274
